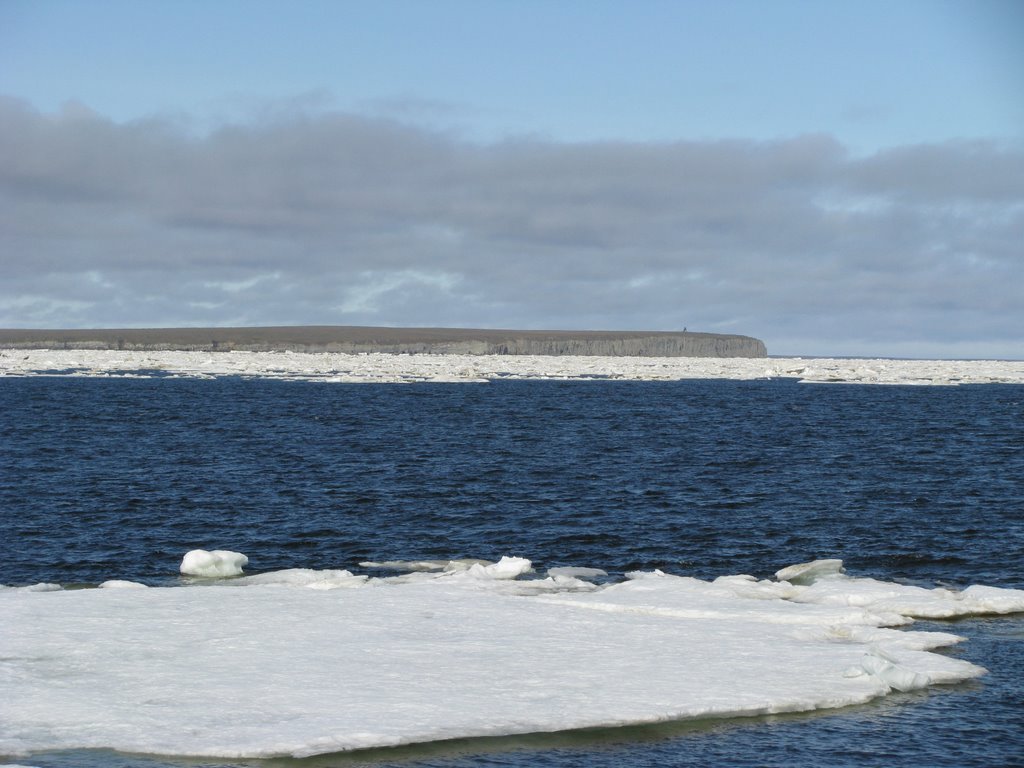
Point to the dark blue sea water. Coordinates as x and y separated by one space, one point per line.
103 478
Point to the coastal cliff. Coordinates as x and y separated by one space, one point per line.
357 339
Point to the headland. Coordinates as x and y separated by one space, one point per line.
364 339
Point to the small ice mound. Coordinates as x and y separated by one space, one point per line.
808 573
120 584
216 564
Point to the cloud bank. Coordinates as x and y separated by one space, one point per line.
337 218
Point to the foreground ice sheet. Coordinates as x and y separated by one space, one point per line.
301 662
409 368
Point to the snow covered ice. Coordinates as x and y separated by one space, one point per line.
302 662
383 367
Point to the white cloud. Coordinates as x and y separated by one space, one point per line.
237 286
372 289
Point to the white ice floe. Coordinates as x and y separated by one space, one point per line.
288 663
339 367
215 564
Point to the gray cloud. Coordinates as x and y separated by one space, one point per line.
337 218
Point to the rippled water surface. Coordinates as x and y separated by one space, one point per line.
104 479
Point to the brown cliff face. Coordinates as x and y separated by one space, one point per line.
354 339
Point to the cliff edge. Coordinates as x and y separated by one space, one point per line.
356 339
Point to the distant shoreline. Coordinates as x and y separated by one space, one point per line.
360 339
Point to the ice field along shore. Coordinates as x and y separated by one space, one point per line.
389 367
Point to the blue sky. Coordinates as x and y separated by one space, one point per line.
817 129
871 73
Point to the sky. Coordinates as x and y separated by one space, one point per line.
842 178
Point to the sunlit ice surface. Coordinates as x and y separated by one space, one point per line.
301 662
384 367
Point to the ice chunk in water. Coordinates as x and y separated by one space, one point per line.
218 563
